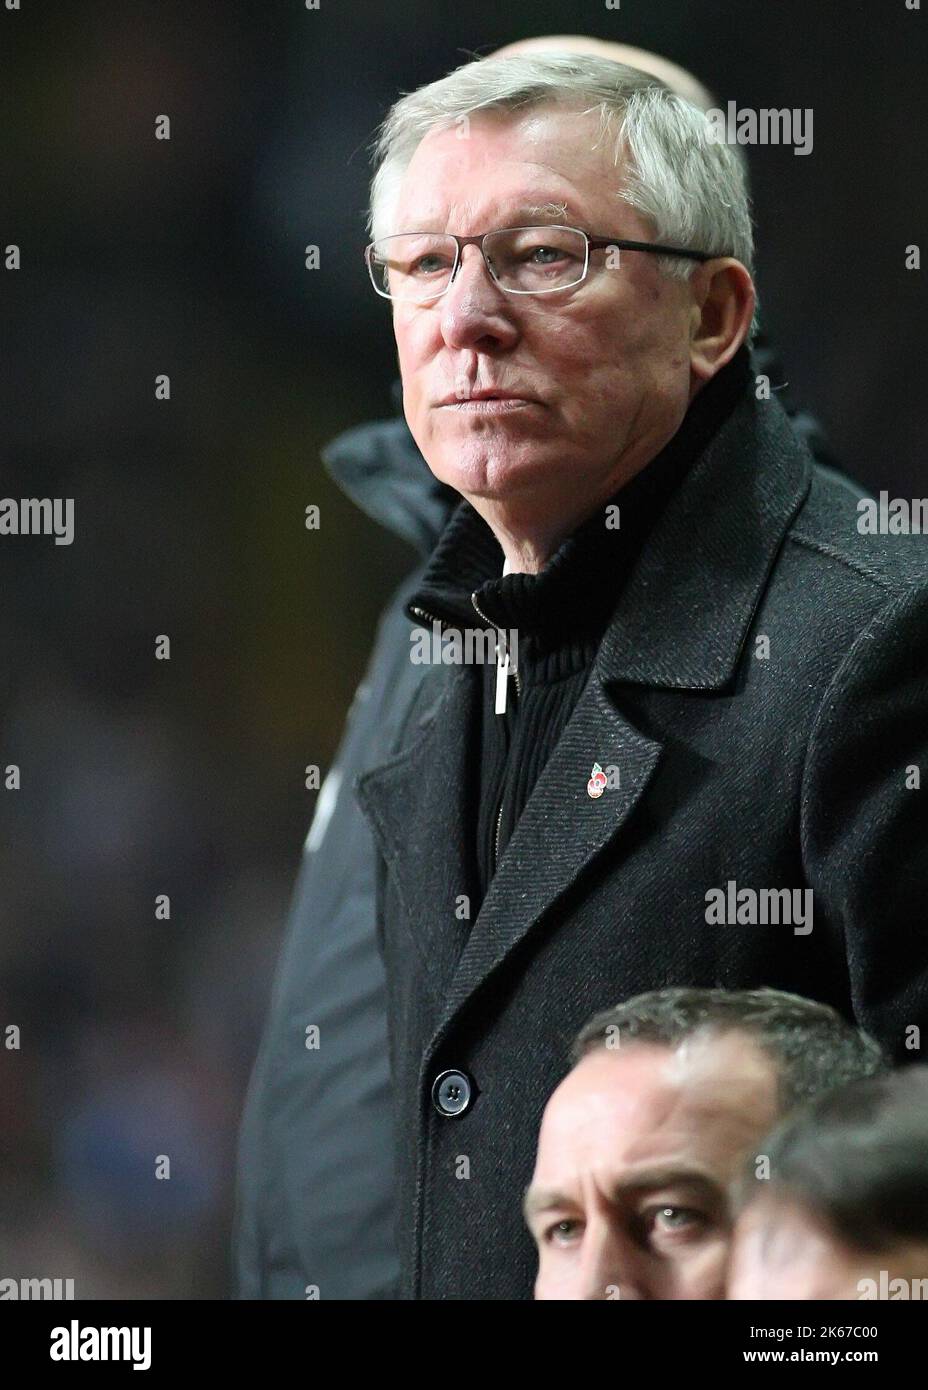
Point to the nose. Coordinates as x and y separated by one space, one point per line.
609 1266
475 312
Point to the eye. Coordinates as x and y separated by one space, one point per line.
669 1224
545 251
427 265
561 1233
674 1216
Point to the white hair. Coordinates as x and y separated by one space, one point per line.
692 189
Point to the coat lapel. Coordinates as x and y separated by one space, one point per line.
560 832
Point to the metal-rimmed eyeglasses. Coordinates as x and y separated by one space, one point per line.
418 267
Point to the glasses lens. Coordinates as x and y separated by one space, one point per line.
532 260
412 265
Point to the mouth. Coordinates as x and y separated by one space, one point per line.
488 402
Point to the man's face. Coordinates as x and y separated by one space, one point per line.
781 1250
637 1148
605 364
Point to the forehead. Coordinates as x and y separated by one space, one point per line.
550 162
645 1106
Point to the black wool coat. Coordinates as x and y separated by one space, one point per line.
314 1182
762 689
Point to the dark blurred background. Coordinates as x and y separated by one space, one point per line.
186 777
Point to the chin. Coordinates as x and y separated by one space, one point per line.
474 473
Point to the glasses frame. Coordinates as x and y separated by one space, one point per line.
593 243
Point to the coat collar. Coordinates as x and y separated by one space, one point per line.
683 617
379 467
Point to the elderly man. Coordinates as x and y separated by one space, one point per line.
840 1207
639 1144
704 763
315 1206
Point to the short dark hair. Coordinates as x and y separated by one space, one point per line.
857 1158
813 1047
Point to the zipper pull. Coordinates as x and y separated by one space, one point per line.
502 677
503 667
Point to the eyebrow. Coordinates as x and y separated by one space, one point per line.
530 214
548 211
539 1199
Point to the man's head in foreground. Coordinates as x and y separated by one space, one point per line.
591 379
844 1211
640 1142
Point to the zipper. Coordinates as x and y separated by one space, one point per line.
515 674
421 613
433 617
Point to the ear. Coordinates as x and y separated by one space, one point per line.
721 313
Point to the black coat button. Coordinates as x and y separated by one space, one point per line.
452 1093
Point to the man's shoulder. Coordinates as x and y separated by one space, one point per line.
855 539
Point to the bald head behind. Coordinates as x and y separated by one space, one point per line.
675 77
